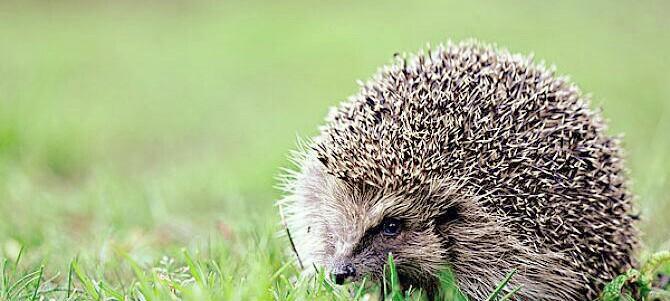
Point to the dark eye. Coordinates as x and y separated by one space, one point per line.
391 227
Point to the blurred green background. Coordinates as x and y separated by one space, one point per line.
150 126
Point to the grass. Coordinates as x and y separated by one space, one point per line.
139 142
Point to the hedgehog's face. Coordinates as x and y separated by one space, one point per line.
363 250
350 231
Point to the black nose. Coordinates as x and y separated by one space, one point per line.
342 272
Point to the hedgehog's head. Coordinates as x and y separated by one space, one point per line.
350 228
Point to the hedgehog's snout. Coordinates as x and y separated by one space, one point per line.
343 271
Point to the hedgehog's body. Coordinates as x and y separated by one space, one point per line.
467 158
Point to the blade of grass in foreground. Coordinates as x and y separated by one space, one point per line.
195 270
359 291
394 282
69 279
501 286
143 282
37 286
89 287
4 279
21 284
449 290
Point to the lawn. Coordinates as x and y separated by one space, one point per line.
139 143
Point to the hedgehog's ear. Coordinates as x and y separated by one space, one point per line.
450 215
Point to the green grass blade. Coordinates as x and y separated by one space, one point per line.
89 286
396 291
22 282
4 282
657 260
39 282
359 291
449 289
112 292
18 257
142 280
69 279
511 294
279 271
195 270
501 286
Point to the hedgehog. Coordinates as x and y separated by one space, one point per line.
470 158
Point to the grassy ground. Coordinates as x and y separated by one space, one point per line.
138 140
